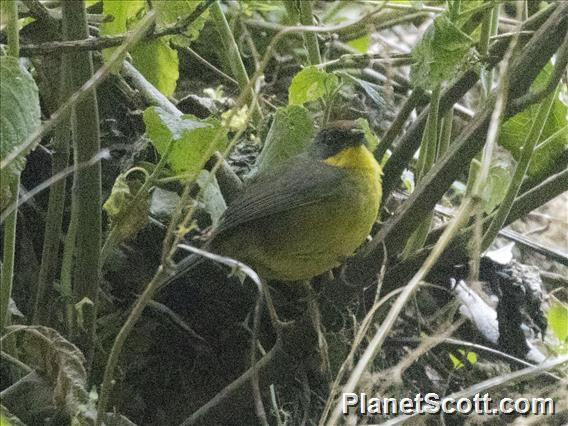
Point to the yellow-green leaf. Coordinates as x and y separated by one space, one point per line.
194 140
360 44
127 219
557 317
471 358
158 62
553 143
311 84
290 133
118 15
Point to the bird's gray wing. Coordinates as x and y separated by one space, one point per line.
298 182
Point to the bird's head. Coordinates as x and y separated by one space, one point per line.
336 137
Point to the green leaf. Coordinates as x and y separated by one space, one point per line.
169 12
557 317
119 16
126 218
370 138
497 183
291 132
471 358
20 115
311 84
444 48
361 44
553 142
158 62
194 140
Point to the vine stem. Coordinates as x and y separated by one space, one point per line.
9 249
311 40
480 181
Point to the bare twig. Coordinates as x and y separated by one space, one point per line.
348 361
258 404
426 344
211 66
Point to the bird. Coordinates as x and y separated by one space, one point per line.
306 215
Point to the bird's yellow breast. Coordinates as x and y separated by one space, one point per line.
360 160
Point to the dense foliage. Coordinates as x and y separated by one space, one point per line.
128 126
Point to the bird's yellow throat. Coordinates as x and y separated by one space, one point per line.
356 157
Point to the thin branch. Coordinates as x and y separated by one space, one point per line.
56 204
85 132
104 42
310 39
258 404
493 131
211 66
427 8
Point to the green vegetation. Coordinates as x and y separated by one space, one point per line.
128 126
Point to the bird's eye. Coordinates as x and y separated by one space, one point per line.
331 139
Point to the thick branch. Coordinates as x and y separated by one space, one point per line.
87 181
